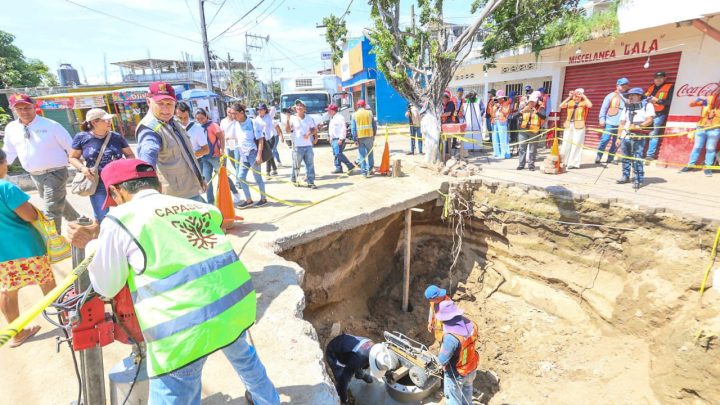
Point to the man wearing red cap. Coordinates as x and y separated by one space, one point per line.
364 128
164 143
192 295
42 146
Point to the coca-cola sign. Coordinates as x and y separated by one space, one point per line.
687 90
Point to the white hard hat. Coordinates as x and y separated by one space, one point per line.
381 360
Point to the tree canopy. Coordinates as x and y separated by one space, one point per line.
16 70
420 59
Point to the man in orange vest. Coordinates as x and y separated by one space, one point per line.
435 295
458 354
707 132
660 94
613 108
531 118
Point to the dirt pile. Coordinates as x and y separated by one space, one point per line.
567 314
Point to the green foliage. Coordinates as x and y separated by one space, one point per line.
335 35
578 28
18 71
4 118
245 85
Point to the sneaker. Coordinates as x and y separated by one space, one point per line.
597 161
312 186
410 153
261 202
637 185
708 172
684 170
531 168
336 172
623 180
520 167
245 204
274 172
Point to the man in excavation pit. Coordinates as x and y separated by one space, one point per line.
435 295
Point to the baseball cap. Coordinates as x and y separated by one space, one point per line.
460 89
528 88
332 107
623 81
20 98
262 106
660 74
447 94
97 114
122 170
434 291
492 91
636 90
361 103
161 91
298 101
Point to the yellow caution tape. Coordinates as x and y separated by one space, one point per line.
23 320
711 261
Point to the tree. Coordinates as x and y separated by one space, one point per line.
244 85
419 60
18 71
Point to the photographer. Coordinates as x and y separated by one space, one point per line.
636 120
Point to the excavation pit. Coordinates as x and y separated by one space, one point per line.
566 313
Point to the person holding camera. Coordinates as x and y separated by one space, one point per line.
304 136
636 120
577 105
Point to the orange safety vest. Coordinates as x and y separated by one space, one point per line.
437 326
468 358
531 121
614 107
710 115
577 113
491 112
662 94
502 112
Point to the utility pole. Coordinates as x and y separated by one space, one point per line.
206 46
255 42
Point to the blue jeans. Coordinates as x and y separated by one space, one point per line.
247 163
501 147
633 148
415 133
183 386
208 166
709 139
458 390
275 153
365 149
654 143
340 157
304 154
97 201
610 134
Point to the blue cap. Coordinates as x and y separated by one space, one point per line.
622 81
262 106
528 88
434 291
636 90
541 90
460 89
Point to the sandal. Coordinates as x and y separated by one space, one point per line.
31 332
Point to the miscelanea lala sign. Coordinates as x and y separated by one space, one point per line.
626 49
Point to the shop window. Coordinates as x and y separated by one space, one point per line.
517 88
547 85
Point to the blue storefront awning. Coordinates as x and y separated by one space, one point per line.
362 77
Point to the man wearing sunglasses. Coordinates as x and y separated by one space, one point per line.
42 146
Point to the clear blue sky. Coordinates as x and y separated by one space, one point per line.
57 31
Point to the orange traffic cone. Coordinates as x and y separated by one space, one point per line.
555 151
224 201
385 161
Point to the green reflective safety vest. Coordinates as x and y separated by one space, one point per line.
194 296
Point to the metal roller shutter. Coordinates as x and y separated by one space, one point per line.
598 79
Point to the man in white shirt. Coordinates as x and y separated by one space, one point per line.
264 120
42 146
637 119
338 132
304 136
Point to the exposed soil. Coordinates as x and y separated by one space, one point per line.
567 314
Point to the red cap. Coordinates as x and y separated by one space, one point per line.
122 170
332 107
361 103
161 91
20 98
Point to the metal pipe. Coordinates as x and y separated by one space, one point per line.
91 360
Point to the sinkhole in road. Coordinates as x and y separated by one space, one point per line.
566 313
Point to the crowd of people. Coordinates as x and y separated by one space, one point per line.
632 125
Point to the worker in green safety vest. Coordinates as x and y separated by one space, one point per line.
192 295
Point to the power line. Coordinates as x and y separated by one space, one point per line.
216 12
260 17
236 21
132 22
192 15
